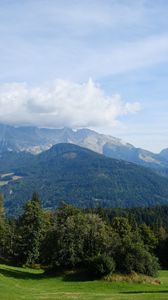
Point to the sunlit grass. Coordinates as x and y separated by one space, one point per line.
19 283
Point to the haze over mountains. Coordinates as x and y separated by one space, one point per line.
164 153
36 140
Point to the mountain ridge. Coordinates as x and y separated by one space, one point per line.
81 177
36 140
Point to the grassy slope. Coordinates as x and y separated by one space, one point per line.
17 283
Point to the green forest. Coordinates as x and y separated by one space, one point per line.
80 177
98 241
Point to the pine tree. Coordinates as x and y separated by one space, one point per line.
31 231
2 226
2 211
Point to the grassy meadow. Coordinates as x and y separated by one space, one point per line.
18 283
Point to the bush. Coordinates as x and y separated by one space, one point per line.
141 261
101 265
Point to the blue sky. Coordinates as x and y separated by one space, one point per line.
49 49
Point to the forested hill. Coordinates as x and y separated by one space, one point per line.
36 140
78 176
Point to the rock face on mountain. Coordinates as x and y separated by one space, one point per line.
36 140
78 176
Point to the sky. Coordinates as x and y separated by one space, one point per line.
101 64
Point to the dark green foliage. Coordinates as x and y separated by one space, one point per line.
2 227
148 237
154 217
30 232
11 241
101 265
83 178
79 240
138 259
2 214
162 247
152 224
132 248
121 226
162 253
62 245
72 238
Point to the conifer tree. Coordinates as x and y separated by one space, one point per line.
31 231
2 212
2 225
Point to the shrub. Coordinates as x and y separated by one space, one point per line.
141 261
101 265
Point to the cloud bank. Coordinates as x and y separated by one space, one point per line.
62 103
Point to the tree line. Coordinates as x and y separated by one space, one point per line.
98 241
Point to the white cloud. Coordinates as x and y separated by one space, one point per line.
61 103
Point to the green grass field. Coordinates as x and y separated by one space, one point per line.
18 283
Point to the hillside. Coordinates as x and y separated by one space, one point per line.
78 176
35 140
164 153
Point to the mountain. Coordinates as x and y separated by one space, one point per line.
35 140
164 153
78 176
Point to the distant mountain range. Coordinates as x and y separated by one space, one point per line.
35 140
78 176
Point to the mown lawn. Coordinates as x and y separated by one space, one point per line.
18 283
